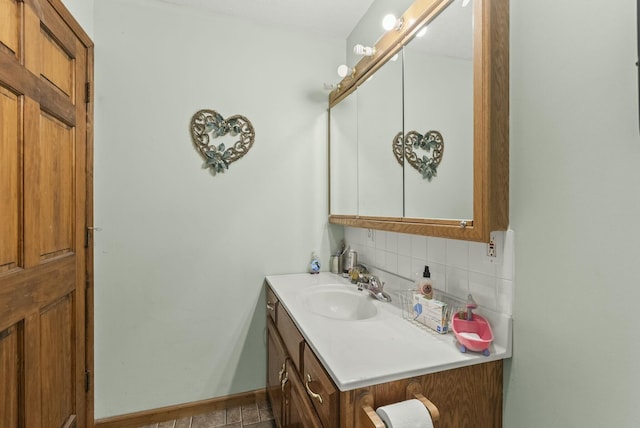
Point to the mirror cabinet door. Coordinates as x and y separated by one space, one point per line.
343 157
438 96
453 81
379 114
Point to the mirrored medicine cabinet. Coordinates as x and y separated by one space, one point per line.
453 80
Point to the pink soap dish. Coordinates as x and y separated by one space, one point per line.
474 335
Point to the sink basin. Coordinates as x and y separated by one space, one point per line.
340 303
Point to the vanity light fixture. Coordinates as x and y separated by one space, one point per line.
364 50
345 70
390 22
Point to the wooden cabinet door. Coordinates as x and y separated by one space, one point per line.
45 208
276 370
300 412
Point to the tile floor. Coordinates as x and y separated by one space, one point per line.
257 415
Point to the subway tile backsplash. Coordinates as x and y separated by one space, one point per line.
457 267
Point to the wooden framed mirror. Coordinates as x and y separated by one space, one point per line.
490 130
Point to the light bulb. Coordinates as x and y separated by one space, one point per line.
389 22
344 70
364 50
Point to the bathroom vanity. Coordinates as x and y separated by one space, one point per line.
333 349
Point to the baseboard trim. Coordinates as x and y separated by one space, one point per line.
147 417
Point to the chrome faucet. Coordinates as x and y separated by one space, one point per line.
374 286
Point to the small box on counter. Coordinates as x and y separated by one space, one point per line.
431 312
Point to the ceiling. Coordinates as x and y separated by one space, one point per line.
334 18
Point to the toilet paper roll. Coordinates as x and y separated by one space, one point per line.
406 414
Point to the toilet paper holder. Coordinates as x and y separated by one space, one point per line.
366 416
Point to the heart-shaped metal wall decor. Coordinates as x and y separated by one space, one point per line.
432 142
207 125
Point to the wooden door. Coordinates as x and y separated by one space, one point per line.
46 339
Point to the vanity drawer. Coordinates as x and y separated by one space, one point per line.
291 337
321 390
272 303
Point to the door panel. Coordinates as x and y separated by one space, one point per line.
10 357
9 183
57 361
49 165
58 67
45 188
9 30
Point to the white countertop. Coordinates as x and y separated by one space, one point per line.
384 348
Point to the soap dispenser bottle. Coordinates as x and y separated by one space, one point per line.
314 264
425 286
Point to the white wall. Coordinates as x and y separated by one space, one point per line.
575 206
181 256
82 11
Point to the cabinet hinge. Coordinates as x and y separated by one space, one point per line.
87 381
87 92
89 234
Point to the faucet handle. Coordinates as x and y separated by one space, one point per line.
376 282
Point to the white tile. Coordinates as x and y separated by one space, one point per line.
417 266
457 253
381 239
483 289
380 259
506 268
479 261
392 242
419 247
457 282
404 244
404 267
367 256
352 235
437 250
438 276
457 267
505 296
391 262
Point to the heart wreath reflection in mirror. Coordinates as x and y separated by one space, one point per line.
432 142
209 125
